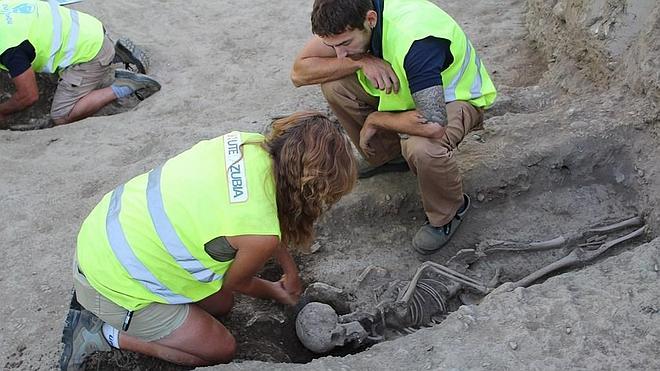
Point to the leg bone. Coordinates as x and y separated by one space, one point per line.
579 255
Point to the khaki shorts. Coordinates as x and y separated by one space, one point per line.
152 323
78 80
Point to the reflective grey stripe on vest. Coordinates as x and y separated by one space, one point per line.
475 90
168 235
127 258
73 39
57 36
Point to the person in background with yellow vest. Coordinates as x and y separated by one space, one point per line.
43 37
402 78
160 256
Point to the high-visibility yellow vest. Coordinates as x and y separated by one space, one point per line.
404 22
61 37
144 242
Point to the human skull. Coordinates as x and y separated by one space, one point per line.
318 328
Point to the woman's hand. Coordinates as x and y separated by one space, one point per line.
281 295
292 284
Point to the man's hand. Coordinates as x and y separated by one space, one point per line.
408 122
416 124
380 73
368 131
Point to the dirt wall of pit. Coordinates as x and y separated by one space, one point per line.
610 42
606 54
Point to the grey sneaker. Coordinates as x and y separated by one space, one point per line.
430 239
133 58
82 336
33 124
397 165
143 86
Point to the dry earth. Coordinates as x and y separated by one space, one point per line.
572 141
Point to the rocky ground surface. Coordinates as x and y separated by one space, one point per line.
571 142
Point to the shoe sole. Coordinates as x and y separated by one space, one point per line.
35 125
129 54
72 319
385 168
153 85
460 218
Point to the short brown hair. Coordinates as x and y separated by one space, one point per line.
332 17
314 167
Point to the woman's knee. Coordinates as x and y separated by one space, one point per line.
225 351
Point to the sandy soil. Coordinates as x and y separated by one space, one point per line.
572 141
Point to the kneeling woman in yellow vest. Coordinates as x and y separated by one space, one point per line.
162 254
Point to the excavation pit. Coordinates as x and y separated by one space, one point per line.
38 112
374 229
37 116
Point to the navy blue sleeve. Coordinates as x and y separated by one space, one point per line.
18 59
424 62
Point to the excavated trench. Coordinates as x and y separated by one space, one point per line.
38 115
370 228
556 188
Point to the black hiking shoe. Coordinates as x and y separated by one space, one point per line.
397 165
82 336
143 86
430 239
133 58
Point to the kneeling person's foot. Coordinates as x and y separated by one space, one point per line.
131 56
127 83
399 164
82 336
430 239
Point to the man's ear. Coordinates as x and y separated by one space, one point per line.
371 18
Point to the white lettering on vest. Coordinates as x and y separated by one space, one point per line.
235 168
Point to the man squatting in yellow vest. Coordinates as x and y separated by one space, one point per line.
402 78
160 256
43 37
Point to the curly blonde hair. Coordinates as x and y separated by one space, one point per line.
314 167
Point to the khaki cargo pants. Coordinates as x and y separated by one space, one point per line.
78 80
151 323
431 160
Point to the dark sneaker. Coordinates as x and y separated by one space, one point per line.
143 86
430 239
133 58
82 336
397 165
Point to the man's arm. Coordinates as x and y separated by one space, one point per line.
424 63
318 63
428 120
26 94
430 103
